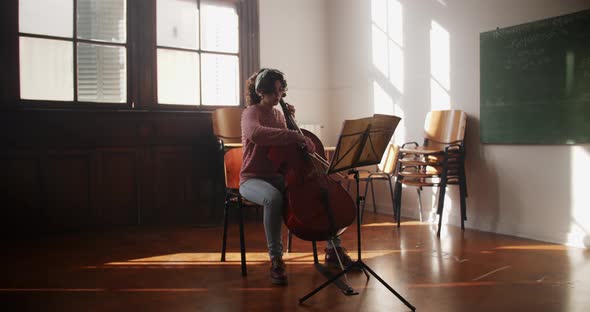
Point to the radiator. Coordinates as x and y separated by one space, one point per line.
316 129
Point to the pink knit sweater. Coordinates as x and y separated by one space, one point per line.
263 127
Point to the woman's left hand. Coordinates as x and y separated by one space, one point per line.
291 109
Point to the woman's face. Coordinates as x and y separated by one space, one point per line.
273 98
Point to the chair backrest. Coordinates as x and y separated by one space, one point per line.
227 124
233 164
388 163
444 127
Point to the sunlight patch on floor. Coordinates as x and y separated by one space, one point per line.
232 259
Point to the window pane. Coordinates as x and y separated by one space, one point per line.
220 79
178 23
102 73
178 77
46 17
219 27
103 20
46 69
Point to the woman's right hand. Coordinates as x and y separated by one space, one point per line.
309 146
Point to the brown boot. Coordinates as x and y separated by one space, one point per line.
278 274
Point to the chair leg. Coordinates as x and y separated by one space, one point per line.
391 192
364 200
419 191
464 179
463 211
398 202
373 195
441 193
224 241
441 204
463 188
242 240
463 195
315 252
289 240
463 176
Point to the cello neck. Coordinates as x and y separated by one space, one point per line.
291 124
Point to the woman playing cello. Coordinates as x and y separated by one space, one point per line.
263 126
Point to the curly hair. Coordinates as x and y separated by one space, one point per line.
266 84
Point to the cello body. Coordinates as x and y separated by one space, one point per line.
316 206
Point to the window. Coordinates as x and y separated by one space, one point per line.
197 53
81 61
96 52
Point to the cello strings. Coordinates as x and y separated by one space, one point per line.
290 120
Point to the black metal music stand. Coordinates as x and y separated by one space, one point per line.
362 142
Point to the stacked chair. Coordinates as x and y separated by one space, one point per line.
439 162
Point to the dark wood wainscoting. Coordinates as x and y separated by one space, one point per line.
65 170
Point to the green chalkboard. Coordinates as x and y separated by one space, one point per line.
535 82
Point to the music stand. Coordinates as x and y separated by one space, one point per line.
362 142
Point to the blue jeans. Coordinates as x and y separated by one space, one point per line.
267 194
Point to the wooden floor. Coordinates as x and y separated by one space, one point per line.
178 269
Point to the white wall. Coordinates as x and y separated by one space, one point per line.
293 40
530 191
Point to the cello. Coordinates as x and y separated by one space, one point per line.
316 206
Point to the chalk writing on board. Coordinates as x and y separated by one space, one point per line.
524 42
527 59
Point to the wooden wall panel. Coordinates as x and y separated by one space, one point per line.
79 169
66 187
147 186
210 175
175 183
114 188
20 190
